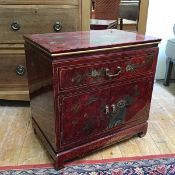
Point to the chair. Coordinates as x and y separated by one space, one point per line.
129 9
105 14
170 53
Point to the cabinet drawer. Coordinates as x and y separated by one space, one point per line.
123 66
92 114
63 2
13 71
17 20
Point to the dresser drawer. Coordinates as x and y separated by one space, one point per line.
63 2
117 67
17 20
13 71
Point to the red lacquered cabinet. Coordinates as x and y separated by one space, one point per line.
89 89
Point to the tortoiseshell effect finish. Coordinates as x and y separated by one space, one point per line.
85 101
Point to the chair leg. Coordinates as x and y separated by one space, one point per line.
168 72
121 23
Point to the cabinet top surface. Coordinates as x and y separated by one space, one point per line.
56 43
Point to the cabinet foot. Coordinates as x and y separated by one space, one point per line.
59 163
141 134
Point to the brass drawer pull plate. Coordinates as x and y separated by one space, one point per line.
20 70
57 26
118 71
15 26
121 104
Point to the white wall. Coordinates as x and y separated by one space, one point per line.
161 17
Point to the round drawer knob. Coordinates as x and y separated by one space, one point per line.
15 26
57 26
20 70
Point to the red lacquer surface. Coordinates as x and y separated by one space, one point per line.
76 41
69 93
39 70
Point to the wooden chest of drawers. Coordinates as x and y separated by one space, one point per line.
19 17
89 89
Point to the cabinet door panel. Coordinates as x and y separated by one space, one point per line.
84 115
130 102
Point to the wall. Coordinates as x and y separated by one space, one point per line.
160 20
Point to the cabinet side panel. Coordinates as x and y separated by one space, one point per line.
40 82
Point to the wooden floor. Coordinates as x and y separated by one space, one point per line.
18 144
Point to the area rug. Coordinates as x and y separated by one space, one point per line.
146 165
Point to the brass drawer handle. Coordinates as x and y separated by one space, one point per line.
15 26
118 71
106 109
20 70
113 108
57 26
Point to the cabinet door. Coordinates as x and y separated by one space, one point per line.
84 115
92 115
130 102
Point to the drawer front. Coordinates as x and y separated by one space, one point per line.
13 71
62 2
125 65
95 114
17 20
